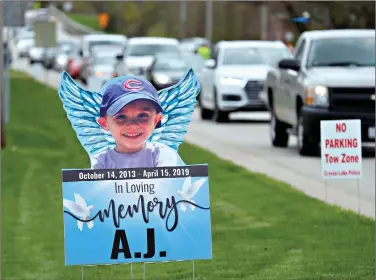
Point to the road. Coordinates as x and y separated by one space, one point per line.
245 141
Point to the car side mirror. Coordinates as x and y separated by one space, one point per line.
120 57
210 63
289 64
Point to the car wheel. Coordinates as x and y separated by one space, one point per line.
306 146
219 116
206 114
278 132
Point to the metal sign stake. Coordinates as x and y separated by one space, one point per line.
193 270
358 187
144 271
82 273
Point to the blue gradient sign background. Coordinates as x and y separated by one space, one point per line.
189 240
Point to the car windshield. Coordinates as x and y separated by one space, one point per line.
254 55
66 47
151 49
105 60
359 51
170 64
107 48
274 55
105 44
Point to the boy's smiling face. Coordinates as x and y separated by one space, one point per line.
132 126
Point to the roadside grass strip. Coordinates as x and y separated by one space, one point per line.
87 20
261 228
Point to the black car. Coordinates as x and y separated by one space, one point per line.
49 56
166 70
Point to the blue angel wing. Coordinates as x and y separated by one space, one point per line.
178 102
82 108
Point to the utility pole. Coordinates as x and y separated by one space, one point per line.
183 19
264 20
140 23
209 21
2 87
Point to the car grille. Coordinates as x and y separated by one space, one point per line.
352 99
253 88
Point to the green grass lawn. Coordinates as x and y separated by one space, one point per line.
87 20
261 228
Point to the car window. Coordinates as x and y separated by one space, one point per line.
299 52
103 44
254 55
105 60
358 51
170 64
242 56
151 49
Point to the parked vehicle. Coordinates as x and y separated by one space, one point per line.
166 70
331 76
49 57
36 55
233 79
88 42
23 47
197 63
62 57
140 52
74 64
102 66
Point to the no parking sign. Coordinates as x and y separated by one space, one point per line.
341 149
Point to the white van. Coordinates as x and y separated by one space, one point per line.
140 52
88 41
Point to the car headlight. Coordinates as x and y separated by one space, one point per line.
61 60
161 79
317 95
231 81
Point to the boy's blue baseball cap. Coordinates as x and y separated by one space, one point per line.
121 91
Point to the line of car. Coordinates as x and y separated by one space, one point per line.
240 75
105 56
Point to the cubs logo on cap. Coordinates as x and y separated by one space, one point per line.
133 85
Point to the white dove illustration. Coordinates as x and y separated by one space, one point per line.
80 209
188 191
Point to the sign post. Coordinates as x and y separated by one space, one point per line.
341 151
115 216
14 16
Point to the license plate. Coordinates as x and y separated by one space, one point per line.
371 132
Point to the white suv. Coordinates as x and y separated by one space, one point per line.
233 79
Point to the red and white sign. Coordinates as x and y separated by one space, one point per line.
341 149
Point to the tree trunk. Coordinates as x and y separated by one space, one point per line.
200 16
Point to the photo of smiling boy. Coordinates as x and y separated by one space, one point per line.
130 110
